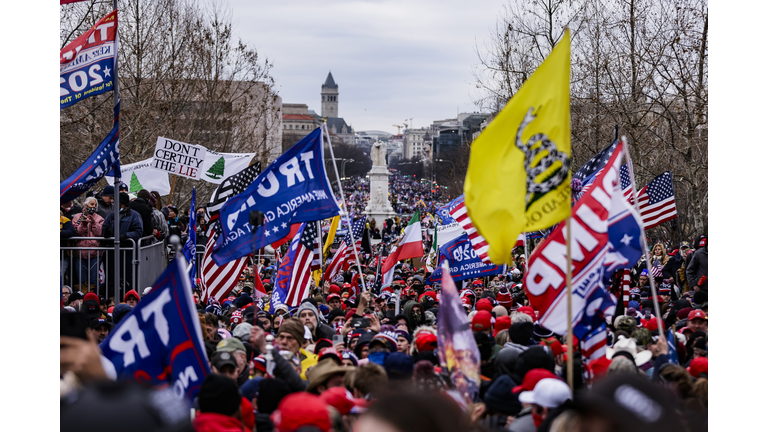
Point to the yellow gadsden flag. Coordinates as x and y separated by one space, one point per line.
518 177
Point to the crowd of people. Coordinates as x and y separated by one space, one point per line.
348 358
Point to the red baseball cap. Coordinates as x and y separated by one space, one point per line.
91 296
477 282
334 289
484 304
482 321
653 325
426 341
599 366
301 409
698 366
532 377
696 313
528 311
554 345
341 399
502 323
332 296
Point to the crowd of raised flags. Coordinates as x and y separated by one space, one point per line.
538 337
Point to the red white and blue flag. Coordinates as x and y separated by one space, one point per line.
605 236
345 255
656 201
479 244
86 65
294 276
594 344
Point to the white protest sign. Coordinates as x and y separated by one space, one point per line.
218 166
141 175
179 158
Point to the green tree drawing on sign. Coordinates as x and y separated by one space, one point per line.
135 185
217 169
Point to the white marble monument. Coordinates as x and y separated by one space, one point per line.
379 207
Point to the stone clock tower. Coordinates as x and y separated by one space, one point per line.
329 98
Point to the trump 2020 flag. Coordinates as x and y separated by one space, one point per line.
292 189
463 261
160 341
86 65
104 160
190 247
456 346
518 178
605 236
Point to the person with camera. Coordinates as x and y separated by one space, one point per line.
86 262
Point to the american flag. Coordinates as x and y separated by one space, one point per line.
218 281
587 173
625 286
656 201
305 260
593 345
344 256
478 241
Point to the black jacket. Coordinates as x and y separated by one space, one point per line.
697 268
323 331
145 211
130 227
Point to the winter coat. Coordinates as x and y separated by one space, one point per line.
104 209
145 211
264 423
66 230
158 223
697 268
130 227
88 229
213 422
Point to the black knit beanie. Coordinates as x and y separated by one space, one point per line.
219 394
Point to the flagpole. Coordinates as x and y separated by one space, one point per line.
525 250
344 207
644 244
116 195
569 338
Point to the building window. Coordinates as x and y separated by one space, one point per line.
302 126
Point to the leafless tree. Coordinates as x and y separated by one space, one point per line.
183 75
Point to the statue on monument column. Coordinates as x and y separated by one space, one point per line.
379 154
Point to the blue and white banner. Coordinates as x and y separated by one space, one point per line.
160 341
105 160
292 189
463 261
86 65
672 347
190 247
444 212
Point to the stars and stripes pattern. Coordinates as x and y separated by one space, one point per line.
656 270
479 244
344 255
306 259
626 279
656 201
218 281
589 172
594 344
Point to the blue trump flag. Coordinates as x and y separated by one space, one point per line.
190 247
463 261
105 160
672 346
292 189
160 342
444 212
284 273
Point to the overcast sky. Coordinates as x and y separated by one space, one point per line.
393 60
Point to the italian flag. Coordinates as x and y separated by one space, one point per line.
410 245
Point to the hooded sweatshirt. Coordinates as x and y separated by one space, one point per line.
322 331
407 310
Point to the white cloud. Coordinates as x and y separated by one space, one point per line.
391 59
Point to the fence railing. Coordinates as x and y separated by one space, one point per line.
91 268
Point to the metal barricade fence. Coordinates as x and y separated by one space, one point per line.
91 268
151 260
